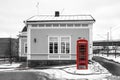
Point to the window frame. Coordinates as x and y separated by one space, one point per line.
41 25
59 45
84 25
65 44
53 44
55 25
70 25
63 25
48 25
25 45
77 25
34 25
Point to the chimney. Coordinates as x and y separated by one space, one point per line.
56 13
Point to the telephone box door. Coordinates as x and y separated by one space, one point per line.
82 54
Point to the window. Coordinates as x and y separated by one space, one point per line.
59 44
55 47
69 25
41 25
62 47
65 44
84 25
51 47
34 25
48 25
25 48
55 25
77 25
53 44
62 25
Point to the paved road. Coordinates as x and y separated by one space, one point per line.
16 75
112 66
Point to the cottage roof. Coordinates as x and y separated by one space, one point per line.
24 29
48 18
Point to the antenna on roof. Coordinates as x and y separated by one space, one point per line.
37 6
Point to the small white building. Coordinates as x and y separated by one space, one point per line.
23 44
54 37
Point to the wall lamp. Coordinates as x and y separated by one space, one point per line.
35 40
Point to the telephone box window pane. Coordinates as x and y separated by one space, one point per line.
82 48
82 57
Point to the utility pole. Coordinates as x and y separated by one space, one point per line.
107 36
107 44
110 33
10 51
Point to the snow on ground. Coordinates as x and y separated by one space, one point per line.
60 74
94 72
6 67
112 57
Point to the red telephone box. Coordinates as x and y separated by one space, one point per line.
82 54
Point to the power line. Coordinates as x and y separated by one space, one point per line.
116 27
113 29
101 36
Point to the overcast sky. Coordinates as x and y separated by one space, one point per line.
105 12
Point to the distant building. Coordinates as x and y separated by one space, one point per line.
54 37
8 48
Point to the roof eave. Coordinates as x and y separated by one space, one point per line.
58 20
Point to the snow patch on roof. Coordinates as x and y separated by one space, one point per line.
61 17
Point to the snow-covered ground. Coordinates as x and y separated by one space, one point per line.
95 71
6 67
62 75
112 57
